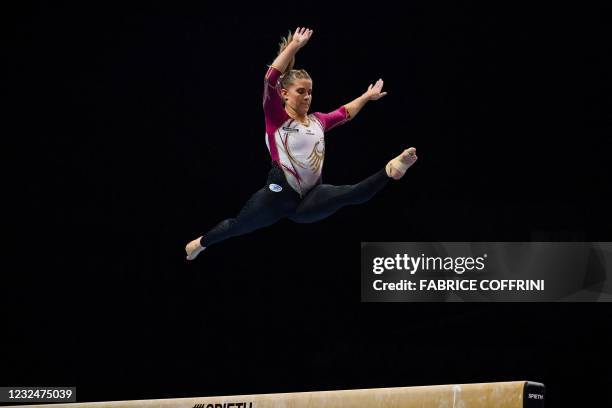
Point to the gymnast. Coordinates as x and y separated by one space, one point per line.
295 140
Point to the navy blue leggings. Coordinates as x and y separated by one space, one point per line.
268 205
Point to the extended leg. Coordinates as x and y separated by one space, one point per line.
264 208
324 200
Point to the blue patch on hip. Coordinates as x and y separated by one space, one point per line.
276 188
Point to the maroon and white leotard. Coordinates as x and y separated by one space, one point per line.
298 149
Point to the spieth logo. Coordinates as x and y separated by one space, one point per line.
536 396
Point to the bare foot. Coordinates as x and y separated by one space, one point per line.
193 249
397 167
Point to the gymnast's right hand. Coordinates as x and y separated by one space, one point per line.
301 37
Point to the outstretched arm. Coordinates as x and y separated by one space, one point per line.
274 112
373 93
299 39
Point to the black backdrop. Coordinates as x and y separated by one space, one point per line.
138 127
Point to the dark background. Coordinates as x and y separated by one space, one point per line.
133 129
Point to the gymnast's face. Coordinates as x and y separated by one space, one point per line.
298 95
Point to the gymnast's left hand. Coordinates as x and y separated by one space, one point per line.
374 92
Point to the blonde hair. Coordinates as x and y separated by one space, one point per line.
290 74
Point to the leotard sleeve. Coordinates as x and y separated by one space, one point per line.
332 119
272 104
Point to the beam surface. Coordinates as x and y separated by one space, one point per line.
516 394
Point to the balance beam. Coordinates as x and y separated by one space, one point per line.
516 394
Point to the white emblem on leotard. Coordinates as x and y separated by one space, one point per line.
276 188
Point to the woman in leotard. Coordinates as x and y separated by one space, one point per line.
296 143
